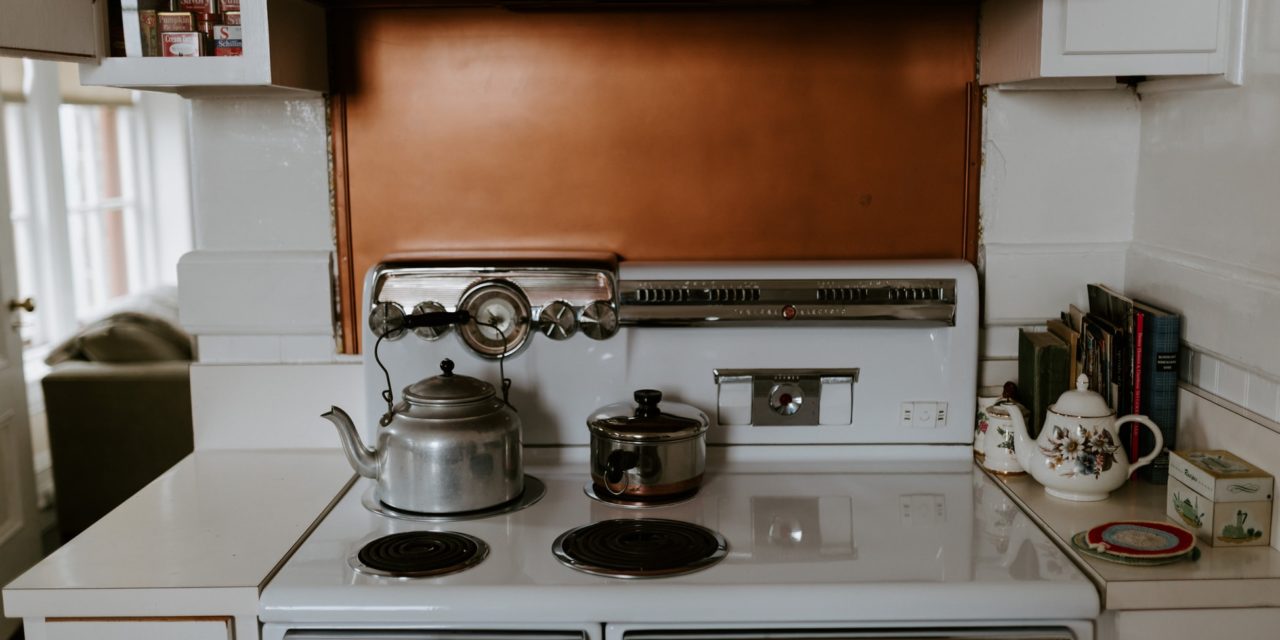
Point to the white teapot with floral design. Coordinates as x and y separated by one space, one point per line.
1078 454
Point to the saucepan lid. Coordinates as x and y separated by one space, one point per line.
646 421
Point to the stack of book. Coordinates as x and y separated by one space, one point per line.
1129 350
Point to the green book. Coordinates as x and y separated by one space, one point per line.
1043 366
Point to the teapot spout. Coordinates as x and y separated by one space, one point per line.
361 457
1023 445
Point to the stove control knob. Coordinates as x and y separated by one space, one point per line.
785 398
430 333
557 321
599 320
386 320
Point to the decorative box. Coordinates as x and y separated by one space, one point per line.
1225 500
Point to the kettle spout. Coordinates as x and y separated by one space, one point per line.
1023 445
361 457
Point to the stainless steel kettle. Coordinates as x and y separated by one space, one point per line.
451 446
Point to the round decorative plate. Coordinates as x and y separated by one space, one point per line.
1078 542
1140 539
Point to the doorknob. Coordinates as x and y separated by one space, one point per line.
27 305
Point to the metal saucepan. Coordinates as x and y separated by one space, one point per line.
647 453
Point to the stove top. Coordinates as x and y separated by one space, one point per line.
839 486
874 533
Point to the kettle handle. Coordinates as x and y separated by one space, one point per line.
1155 430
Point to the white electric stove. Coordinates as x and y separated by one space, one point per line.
839 501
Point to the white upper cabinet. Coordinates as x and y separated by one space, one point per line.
284 49
51 29
1033 39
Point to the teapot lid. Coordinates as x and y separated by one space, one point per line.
1081 402
448 388
645 421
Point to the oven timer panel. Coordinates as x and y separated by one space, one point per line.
785 397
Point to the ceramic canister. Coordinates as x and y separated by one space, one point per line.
997 443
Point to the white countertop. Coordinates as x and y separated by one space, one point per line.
1222 577
202 539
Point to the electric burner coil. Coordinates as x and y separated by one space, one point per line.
419 554
640 548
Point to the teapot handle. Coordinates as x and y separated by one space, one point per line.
1155 430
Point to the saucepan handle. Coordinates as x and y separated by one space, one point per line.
615 470
1155 430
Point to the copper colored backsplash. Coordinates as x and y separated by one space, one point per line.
836 131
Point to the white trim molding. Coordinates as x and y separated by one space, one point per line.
1242 274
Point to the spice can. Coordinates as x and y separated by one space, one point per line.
231 18
187 44
226 40
175 21
230 5
199 6
149 27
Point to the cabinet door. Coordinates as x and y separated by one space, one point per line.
1133 26
167 629
1135 37
52 29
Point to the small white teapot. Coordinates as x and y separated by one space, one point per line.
1078 455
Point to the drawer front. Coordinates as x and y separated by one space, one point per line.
139 629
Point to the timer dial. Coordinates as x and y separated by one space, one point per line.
557 321
785 398
599 320
499 319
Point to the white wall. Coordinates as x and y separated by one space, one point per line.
1058 180
1207 232
257 292
258 287
1059 170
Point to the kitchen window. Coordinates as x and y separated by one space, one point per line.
107 245
87 230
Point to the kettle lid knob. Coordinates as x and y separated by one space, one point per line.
1082 382
446 367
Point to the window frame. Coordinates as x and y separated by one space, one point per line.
49 214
